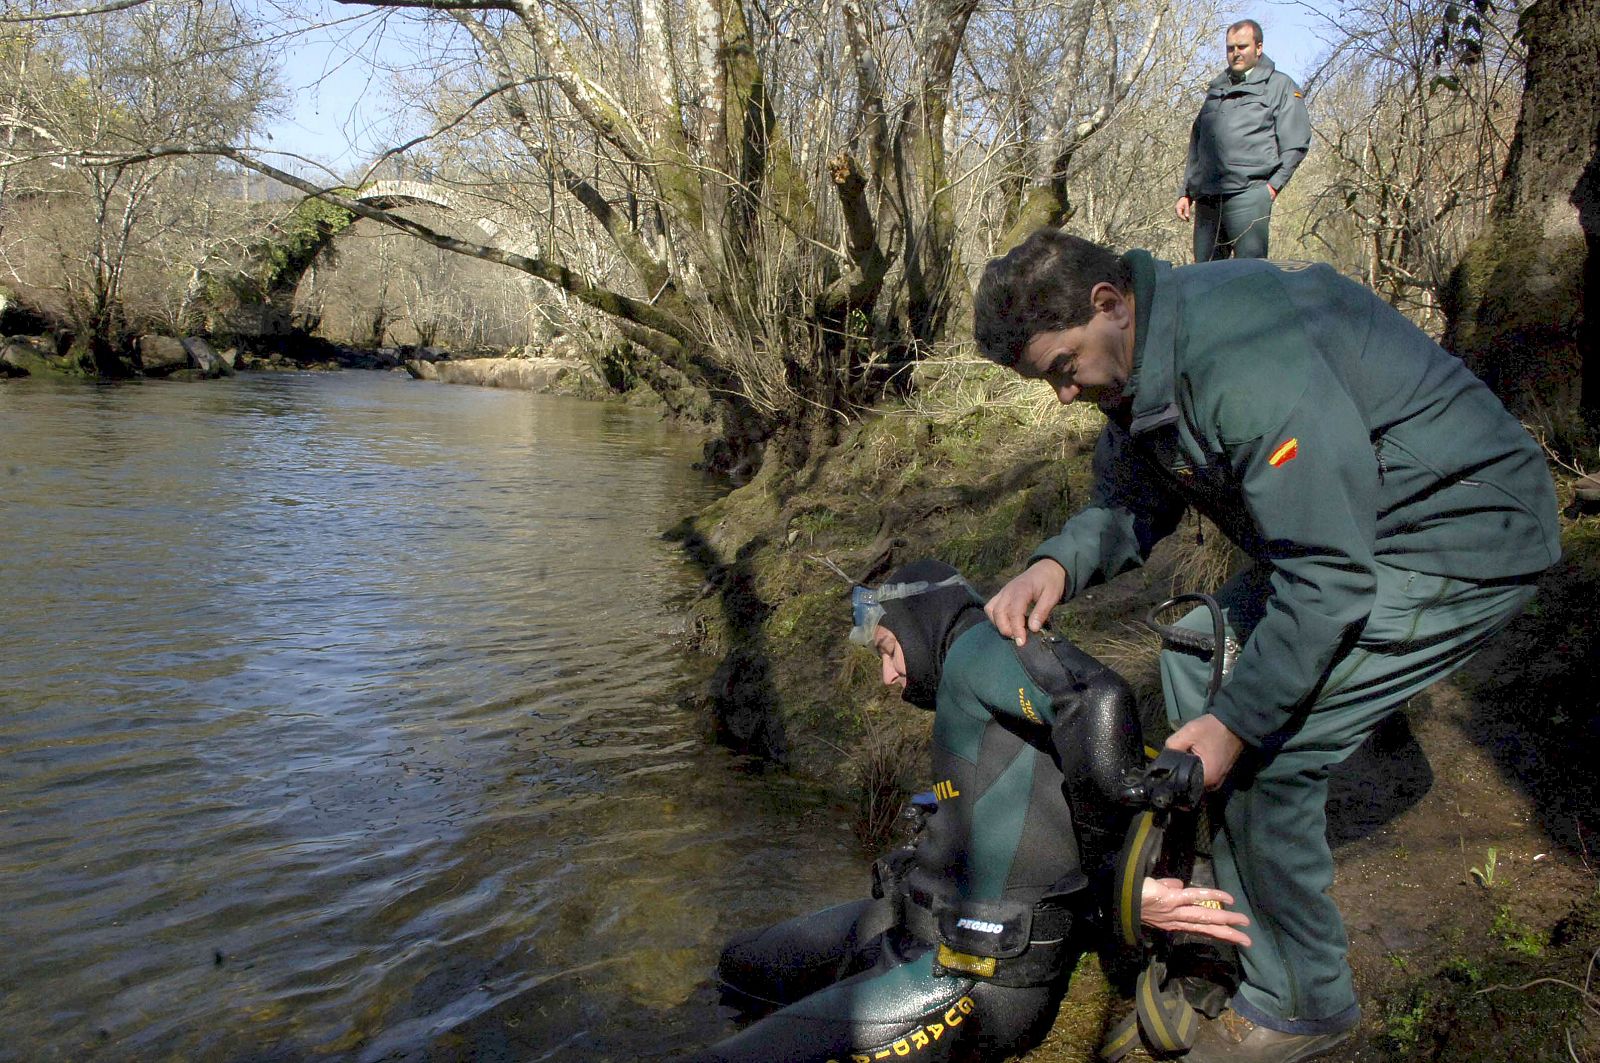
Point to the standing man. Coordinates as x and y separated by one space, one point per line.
1396 514
1245 143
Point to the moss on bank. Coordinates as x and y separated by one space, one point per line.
979 487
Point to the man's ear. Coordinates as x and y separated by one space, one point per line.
1107 298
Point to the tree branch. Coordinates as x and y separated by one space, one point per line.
580 287
51 16
859 287
649 269
508 85
437 5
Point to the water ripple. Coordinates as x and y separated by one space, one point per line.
334 723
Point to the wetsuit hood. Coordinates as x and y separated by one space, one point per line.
928 622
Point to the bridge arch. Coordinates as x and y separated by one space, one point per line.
286 261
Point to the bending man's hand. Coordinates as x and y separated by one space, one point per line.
1181 208
1167 904
1209 739
1024 604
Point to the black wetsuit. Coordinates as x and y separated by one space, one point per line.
997 875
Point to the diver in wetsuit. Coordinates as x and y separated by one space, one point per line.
965 950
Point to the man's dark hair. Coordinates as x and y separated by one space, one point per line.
1248 23
1041 285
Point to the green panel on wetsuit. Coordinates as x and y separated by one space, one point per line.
1003 810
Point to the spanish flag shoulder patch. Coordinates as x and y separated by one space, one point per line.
1285 453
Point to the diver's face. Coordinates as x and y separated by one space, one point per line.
891 655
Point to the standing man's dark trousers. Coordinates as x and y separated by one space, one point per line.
1233 226
1272 853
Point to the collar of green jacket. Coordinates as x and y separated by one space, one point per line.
1150 385
1255 77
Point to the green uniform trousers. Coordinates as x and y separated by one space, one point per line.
1271 849
1233 226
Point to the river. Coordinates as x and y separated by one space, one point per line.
337 722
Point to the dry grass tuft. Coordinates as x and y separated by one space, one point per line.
955 384
1203 558
878 764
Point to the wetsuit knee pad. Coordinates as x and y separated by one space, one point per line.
780 964
898 1010
777 965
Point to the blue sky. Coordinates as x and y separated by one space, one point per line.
340 112
1292 36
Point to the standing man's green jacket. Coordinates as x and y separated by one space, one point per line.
1327 436
1252 129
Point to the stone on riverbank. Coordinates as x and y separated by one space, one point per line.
523 374
32 356
191 357
205 361
161 355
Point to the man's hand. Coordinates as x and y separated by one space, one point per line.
1209 739
1024 604
1274 191
1167 904
1181 208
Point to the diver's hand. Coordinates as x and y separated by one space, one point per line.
1181 207
1024 604
1209 739
1167 904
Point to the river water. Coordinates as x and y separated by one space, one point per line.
336 723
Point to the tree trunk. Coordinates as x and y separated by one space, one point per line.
1515 304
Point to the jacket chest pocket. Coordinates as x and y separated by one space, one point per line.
1197 480
1208 485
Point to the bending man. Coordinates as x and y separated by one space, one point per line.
1396 514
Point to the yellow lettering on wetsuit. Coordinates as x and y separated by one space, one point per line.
920 1038
945 790
1027 706
964 1006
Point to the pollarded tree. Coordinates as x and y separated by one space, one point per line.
735 253
1094 66
1517 304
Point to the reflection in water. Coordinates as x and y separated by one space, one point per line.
335 723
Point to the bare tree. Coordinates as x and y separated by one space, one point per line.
100 82
1415 110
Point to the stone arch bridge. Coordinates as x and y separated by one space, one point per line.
272 315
